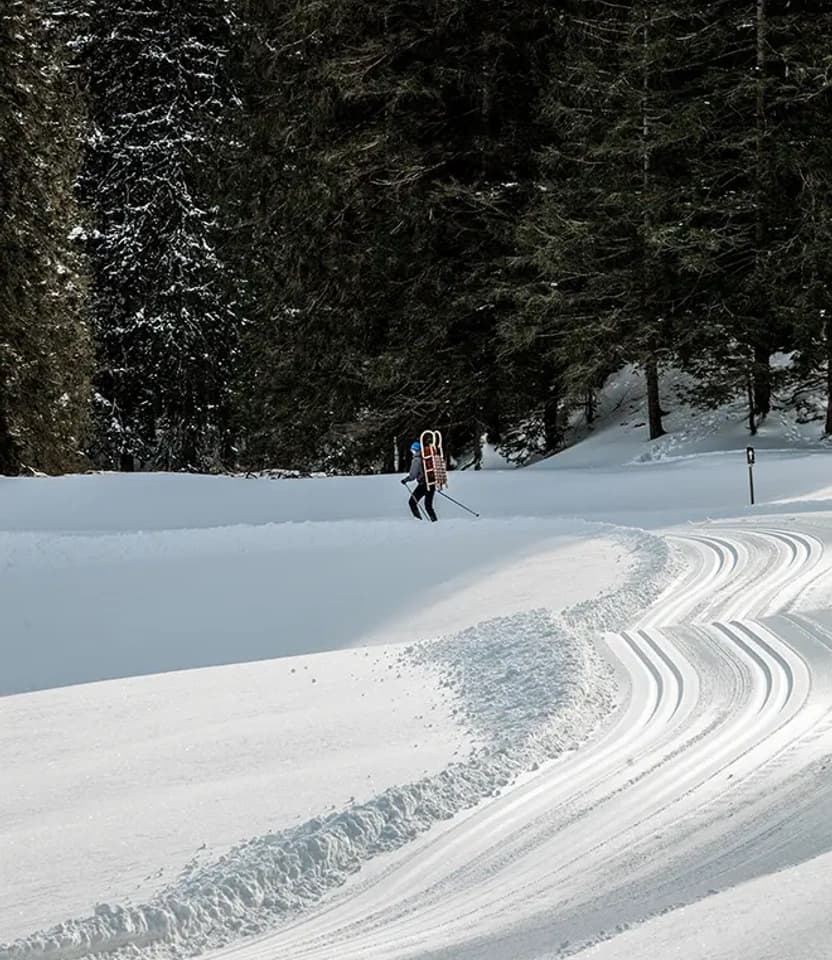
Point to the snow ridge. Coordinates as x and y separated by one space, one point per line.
530 686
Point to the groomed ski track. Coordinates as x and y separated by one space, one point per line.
713 771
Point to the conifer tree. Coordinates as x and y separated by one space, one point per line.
804 144
44 342
164 303
606 240
751 235
390 145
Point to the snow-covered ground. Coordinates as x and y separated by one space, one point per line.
256 718
779 915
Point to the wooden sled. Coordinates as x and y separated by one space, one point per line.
433 460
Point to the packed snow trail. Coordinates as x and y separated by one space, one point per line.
712 773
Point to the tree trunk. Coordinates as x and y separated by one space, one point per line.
391 457
403 442
9 457
752 419
589 407
552 432
761 374
491 401
477 439
828 330
651 367
654 406
762 380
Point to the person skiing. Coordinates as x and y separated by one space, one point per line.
417 473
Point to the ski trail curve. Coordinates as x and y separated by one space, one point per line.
686 788
711 772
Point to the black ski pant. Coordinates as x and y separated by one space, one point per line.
422 491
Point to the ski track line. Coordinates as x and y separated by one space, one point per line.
690 782
263 881
772 806
557 866
736 574
672 757
370 920
477 831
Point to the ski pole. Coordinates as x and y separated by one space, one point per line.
445 495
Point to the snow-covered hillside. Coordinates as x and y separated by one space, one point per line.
281 718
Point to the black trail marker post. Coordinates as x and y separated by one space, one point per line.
750 456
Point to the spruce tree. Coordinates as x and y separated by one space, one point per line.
389 154
760 78
163 299
44 342
604 245
805 148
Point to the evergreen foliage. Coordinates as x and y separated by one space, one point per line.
612 235
392 144
803 270
759 63
315 229
44 342
163 303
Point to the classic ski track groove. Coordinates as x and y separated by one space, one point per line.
723 713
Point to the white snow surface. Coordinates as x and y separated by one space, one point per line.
153 600
785 914
139 791
250 718
194 760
